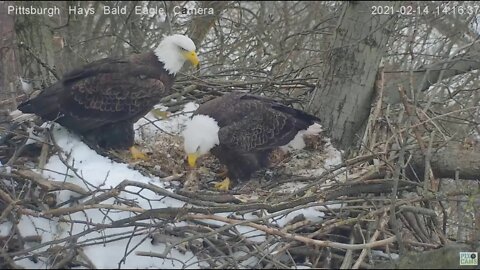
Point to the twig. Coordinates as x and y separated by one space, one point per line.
69 210
428 177
419 210
9 261
383 222
291 236
40 61
50 185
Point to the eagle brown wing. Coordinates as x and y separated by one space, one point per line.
250 128
258 131
268 124
102 92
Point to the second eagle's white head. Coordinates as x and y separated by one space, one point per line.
199 137
174 50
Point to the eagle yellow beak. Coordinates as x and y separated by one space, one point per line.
192 57
192 160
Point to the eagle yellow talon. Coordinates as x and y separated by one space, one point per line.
137 154
224 185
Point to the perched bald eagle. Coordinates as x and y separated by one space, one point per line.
102 100
241 130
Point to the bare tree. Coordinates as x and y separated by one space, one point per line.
343 97
400 91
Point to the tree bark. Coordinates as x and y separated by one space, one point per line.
7 59
343 101
201 24
449 159
421 79
35 45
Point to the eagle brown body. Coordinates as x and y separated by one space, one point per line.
102 100
251 127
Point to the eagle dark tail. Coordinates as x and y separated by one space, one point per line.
27 107
45 104
297 114
308 119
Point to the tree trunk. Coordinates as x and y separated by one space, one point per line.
422 78
358 44
448 160
202 24
36 49
8 75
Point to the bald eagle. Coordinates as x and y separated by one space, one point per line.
102 100
241 130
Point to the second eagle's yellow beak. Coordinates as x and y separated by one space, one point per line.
192 160
192 57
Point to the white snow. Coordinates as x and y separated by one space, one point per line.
334 157
6 169
5 228
382 254
25 85
301 267
309 213
150 126
249 263
94 171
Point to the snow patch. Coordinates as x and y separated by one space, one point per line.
5 228
309 213
149 126
334 157
93 171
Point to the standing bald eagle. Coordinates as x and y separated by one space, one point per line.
102 100
241 130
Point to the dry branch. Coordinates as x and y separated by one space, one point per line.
49 185
290 236
449 159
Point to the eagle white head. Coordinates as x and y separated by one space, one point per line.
199 137
174 50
